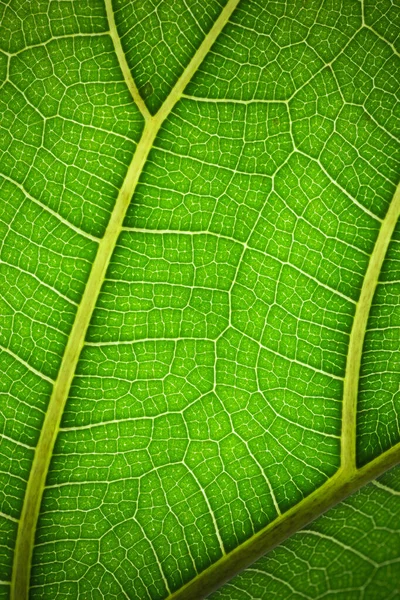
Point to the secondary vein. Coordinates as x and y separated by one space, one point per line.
52 420
363 307
123 62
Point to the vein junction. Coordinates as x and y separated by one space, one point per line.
210 380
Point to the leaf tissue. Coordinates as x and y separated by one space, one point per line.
200 299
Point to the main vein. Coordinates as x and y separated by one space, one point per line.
348 478
352 375
51 423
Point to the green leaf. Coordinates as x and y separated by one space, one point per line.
350 553
199 267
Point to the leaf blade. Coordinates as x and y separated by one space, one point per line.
205 293
333 543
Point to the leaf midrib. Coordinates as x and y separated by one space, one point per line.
44 449
345 481
348 479
333 491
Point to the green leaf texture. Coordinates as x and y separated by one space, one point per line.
351 553
200 290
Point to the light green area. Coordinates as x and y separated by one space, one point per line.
351 553
208 396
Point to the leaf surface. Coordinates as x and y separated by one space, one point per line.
350 553
198 222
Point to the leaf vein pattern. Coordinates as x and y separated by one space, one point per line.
208 335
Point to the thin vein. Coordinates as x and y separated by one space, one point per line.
341 544
56 38
27 365
340 187
8 518
386 488
17 442
51 211
293 360
46 285
233 100
123 62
